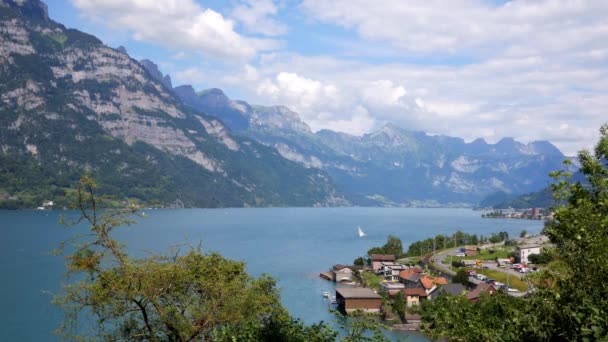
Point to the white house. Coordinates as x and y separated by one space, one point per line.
391 270
526 250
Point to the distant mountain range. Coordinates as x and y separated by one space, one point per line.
69 105
391 166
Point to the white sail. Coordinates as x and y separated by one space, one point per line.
361 233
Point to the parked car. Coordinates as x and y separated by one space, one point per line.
510 289
516 266
489 281
460 254
497 283
522 270
481 277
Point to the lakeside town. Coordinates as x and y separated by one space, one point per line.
393 288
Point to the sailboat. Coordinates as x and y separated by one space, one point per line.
361 233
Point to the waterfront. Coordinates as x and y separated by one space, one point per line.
291 244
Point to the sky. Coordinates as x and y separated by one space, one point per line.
532 70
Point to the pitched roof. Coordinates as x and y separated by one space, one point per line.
483 287
427 282
383 257
418 291
412 277
454 289
441 281
357 292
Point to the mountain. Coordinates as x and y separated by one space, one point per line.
70 105
391 166
537 199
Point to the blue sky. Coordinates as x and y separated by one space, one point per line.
470 68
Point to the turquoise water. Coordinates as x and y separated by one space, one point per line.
291 244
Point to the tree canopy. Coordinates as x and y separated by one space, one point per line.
177 296
570 301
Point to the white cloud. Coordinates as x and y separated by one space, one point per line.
176 24
255 16
460 25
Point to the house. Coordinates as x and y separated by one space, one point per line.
470 250
454 289
428 284
343 274
440 281
481 288
351 299
391 288
526 250
410 278
379 258
390 270
414 296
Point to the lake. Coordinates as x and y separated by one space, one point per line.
291 244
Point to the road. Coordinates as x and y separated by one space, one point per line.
439 257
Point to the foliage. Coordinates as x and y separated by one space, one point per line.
173 297
359 261
501 236
571 300
364 329
461 277
539 259
423 247
457 263
523 233
399 305
392 246
371 280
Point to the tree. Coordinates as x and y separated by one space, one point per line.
461 277
399 305
393 246
523 233
171 297
359 261
570 302
542 258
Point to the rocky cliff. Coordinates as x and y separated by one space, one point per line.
69 104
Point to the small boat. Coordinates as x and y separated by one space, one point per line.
326 294
333 300
361 233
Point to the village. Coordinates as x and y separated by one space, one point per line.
393 288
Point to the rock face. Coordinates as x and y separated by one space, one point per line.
70 104
391 166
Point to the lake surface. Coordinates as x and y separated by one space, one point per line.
291 244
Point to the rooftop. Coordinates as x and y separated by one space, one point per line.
418 291
483 287
528 246
454 289
357 292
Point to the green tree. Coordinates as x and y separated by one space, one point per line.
542 258
399 305
461 277
173 297
523 233
393 246
571 301
359 261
